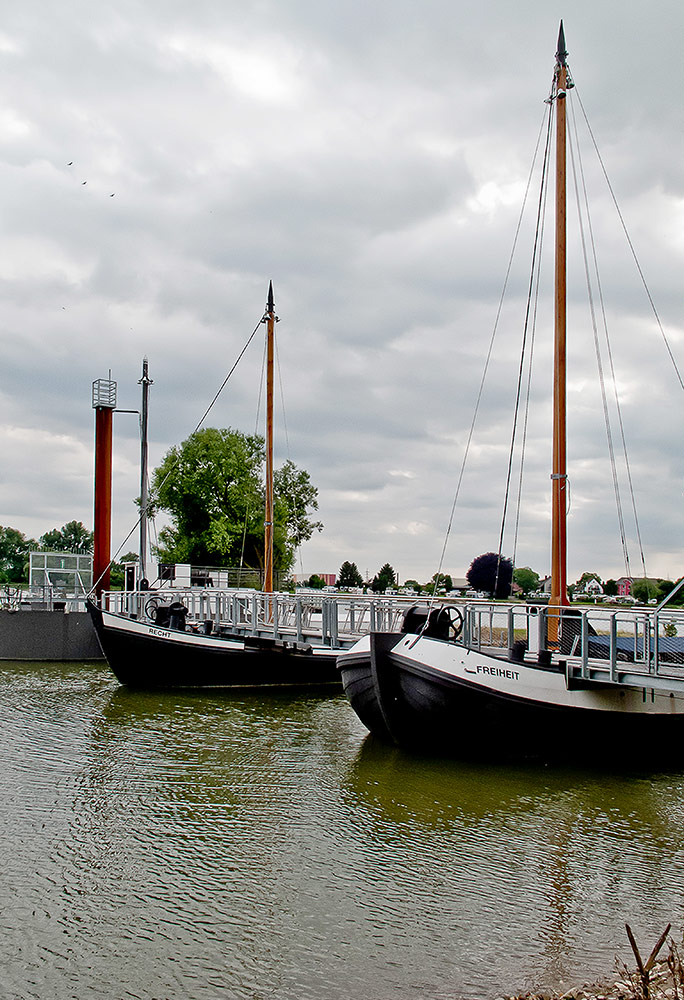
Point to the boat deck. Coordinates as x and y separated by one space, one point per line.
626 647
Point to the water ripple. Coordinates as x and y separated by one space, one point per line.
255 846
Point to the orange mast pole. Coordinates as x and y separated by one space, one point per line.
559 596
268 516
104 404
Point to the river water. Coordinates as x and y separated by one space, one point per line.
181 847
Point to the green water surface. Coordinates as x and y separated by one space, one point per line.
191 846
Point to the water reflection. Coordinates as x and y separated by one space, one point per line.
547 862
176 845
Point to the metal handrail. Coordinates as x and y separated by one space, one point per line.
608 644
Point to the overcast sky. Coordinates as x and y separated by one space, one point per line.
162 160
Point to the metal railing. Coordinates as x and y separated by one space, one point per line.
45 597
627 646
332 620
616 645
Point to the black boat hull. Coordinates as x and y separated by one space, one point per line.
402 699
147 657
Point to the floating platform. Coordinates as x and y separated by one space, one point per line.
48 635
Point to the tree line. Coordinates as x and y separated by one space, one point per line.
495 577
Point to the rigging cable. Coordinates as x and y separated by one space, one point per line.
618 407
530 310
487 361
177 456
631 246
578 172
523 448
257 417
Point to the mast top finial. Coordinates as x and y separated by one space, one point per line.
270 304
561 54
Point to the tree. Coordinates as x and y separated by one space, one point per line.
14 555
349 575
116 570
71 537
385 578
610 588
526 579
316 582
645 589
492 574
294 496
212 487
664 588
440 581
413 585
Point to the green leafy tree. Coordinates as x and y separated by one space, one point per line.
441 581
71 537
491 574
349 575
212 487
413 585
610 588
645 589
116 570
294 497
385 578
526 579
316 582
14 555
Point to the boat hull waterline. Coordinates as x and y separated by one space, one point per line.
144 655
425 692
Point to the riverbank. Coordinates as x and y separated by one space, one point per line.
649 978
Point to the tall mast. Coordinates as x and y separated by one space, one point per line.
104 404
270 319
145 382
559 479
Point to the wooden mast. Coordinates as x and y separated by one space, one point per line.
559 596
270 320
145 382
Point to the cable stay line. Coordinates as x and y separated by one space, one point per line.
488 358
583 206
528 330
174 464
609 354
631 246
